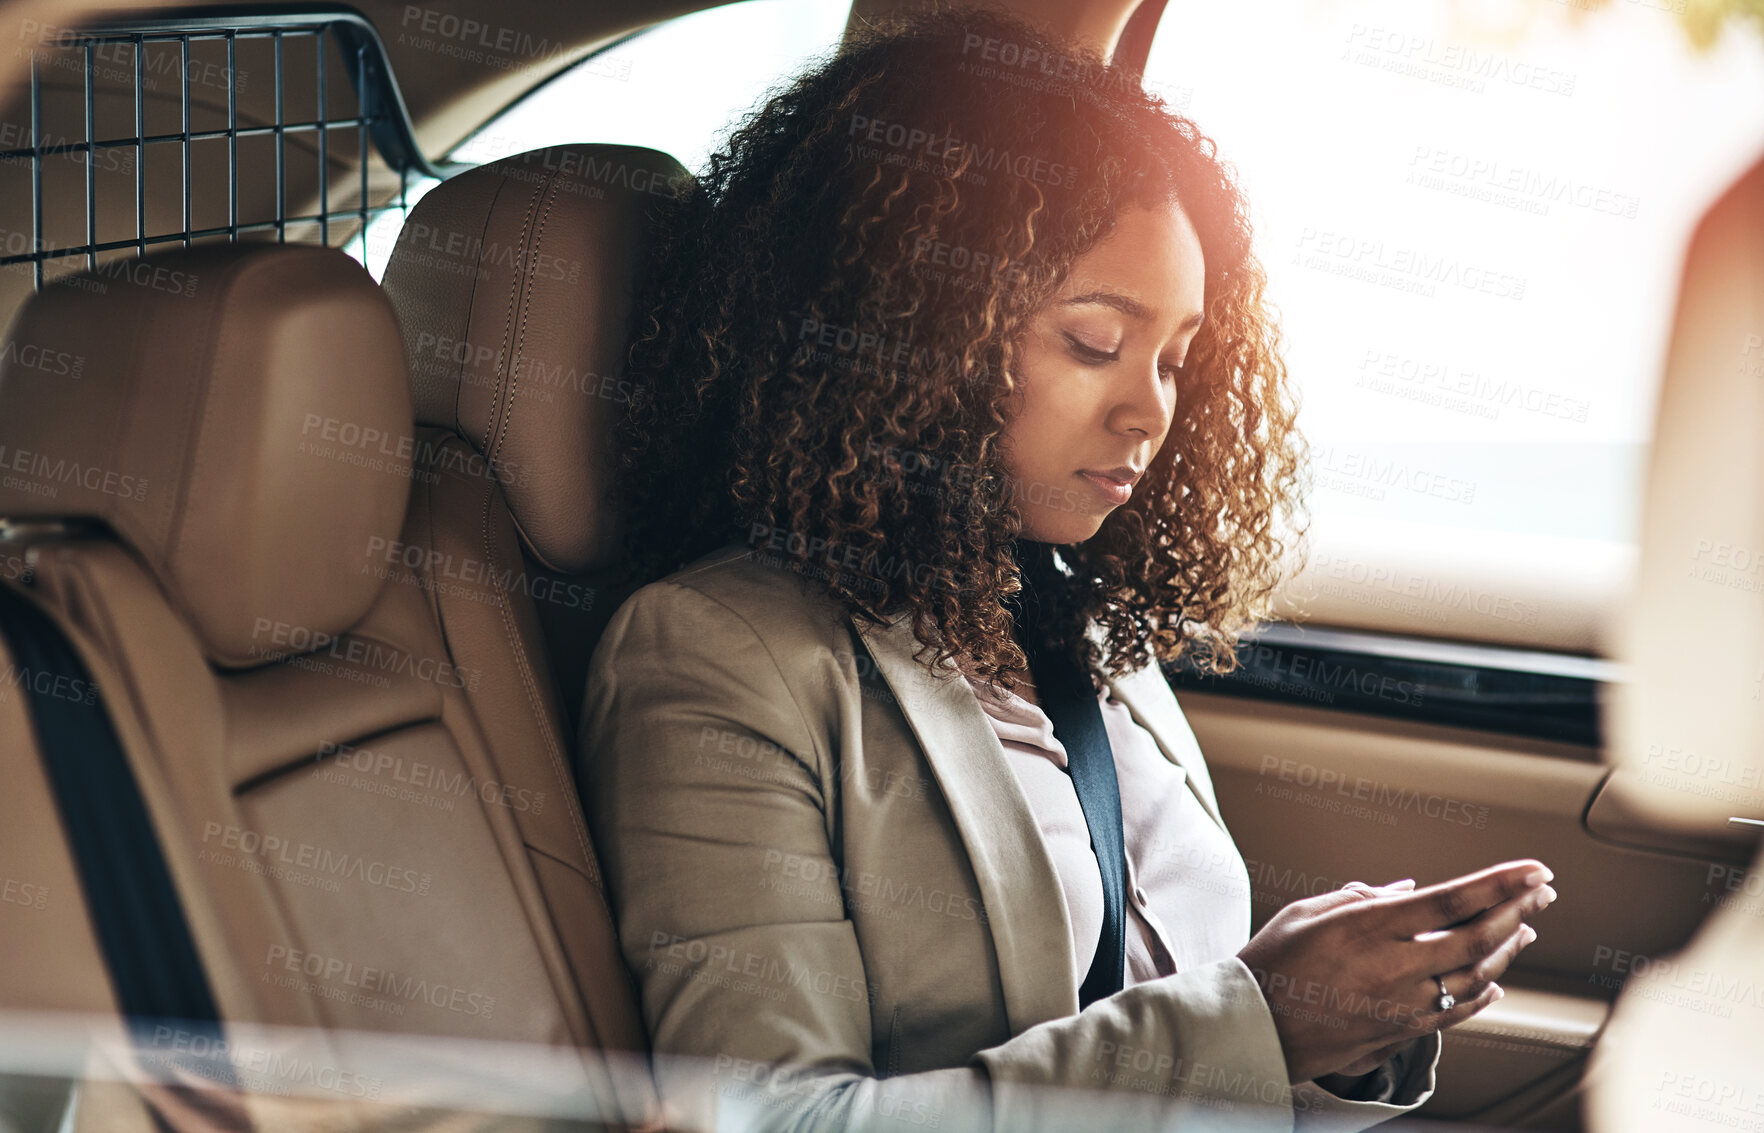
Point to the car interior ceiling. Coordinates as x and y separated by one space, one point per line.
416 567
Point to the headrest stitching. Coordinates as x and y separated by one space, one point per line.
462 359
505 355
529 273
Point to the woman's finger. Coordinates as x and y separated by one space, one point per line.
1469 982
1453 902
1464 1008
1470 943
1364 889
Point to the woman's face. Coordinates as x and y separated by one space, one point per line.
1096 373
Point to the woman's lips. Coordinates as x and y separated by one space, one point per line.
1113 490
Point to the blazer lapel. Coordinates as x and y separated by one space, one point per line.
1018 884
1017 879
1147 696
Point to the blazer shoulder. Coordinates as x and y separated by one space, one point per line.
785 611
729 636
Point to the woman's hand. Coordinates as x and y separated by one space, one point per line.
1377 1058
1348 975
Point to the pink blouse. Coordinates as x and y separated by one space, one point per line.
1188 890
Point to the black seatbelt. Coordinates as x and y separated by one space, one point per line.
1070 702
135 911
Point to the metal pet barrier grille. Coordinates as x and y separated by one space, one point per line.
368 124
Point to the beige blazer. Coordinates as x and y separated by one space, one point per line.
837 903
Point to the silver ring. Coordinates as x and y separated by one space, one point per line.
1445 1000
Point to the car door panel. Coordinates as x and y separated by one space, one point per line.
1316 797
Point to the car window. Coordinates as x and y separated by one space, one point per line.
1473 233
676 87
631 93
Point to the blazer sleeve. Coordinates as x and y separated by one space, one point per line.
699 763
1404 1081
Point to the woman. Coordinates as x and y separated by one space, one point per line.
964 309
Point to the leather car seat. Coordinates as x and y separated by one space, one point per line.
1683 1048
201 498
512 283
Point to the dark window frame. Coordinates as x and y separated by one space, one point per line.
1546 696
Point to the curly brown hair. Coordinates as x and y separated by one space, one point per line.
823 351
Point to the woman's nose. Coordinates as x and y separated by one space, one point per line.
1146 404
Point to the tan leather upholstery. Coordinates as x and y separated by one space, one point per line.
157 420
513 284
347 846
1687 729
460 554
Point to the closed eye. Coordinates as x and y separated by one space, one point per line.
1090 355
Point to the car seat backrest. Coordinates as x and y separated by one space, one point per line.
202 496
513 282
1687 726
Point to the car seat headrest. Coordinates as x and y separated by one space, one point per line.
513 282
239 415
